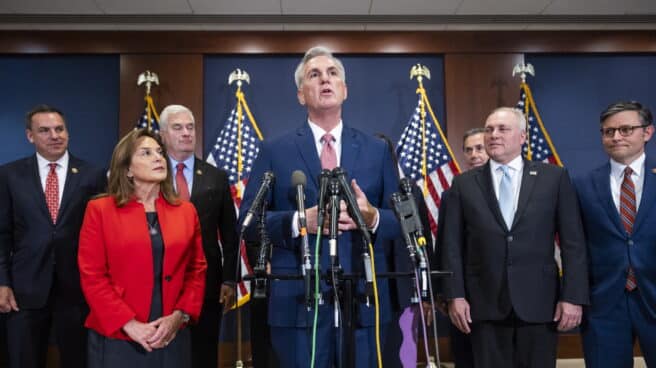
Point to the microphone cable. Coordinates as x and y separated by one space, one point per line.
316 296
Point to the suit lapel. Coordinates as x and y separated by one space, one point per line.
70 185
350 151
484 180
32 174
307 148
648 194
601 183
199 179
529 176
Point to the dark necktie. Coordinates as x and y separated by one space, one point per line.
52 191
181 182
328 156
627 214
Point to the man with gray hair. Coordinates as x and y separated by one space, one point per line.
208 190
323 141
502 220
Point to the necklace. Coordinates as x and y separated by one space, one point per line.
152 227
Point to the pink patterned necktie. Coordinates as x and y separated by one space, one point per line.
328 156
627 214
52 192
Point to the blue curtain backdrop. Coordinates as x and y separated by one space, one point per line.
84 87
381 95
572 90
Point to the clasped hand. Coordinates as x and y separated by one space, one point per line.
345 222
156 334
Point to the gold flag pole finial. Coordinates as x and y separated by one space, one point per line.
523 69
419 71
148 78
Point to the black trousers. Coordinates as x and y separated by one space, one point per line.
261 348
205 335
514 343
461 347
28 331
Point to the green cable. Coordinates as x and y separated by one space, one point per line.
316 296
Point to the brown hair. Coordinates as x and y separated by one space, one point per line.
120 186
38 109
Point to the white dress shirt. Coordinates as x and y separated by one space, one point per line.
515 170
617 177
44 169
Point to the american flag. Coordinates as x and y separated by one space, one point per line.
235 151
538 146
149 113
440 165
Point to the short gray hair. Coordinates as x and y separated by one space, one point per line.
646 118
521 118
172 110
311 54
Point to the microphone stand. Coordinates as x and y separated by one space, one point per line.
260 284
335 267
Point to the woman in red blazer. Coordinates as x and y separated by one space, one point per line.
141 262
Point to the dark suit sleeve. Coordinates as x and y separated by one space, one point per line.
6 228
573 250
227 227
452 241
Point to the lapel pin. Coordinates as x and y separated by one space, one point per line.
199 172
653 170
74 170
533 173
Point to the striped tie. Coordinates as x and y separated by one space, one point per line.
627 214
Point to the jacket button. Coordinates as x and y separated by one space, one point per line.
167 278
630 242
509 238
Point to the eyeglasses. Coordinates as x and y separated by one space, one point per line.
625 130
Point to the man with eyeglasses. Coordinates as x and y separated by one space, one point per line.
502 219
619 218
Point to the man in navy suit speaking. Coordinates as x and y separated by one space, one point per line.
323 141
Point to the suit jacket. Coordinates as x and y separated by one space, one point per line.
364 158
498 269
611 249
116 263
211 196
33 249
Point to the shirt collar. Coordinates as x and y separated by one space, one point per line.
318 132
43 163
515 164
189 163
617 169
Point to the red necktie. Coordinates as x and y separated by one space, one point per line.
627 214
328 156
52 192
181 182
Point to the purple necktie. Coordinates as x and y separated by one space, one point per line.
328 156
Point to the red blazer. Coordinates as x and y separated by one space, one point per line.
116 263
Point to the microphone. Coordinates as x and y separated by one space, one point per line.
355 213
298 181
324 178
334 219
351 203
267 181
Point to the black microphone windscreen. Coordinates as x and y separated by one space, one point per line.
298 178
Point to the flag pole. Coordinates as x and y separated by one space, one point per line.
239 76
149 79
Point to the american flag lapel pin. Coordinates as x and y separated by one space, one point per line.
533 173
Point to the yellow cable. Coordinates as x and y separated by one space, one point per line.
376 307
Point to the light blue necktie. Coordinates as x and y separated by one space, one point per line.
506 196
